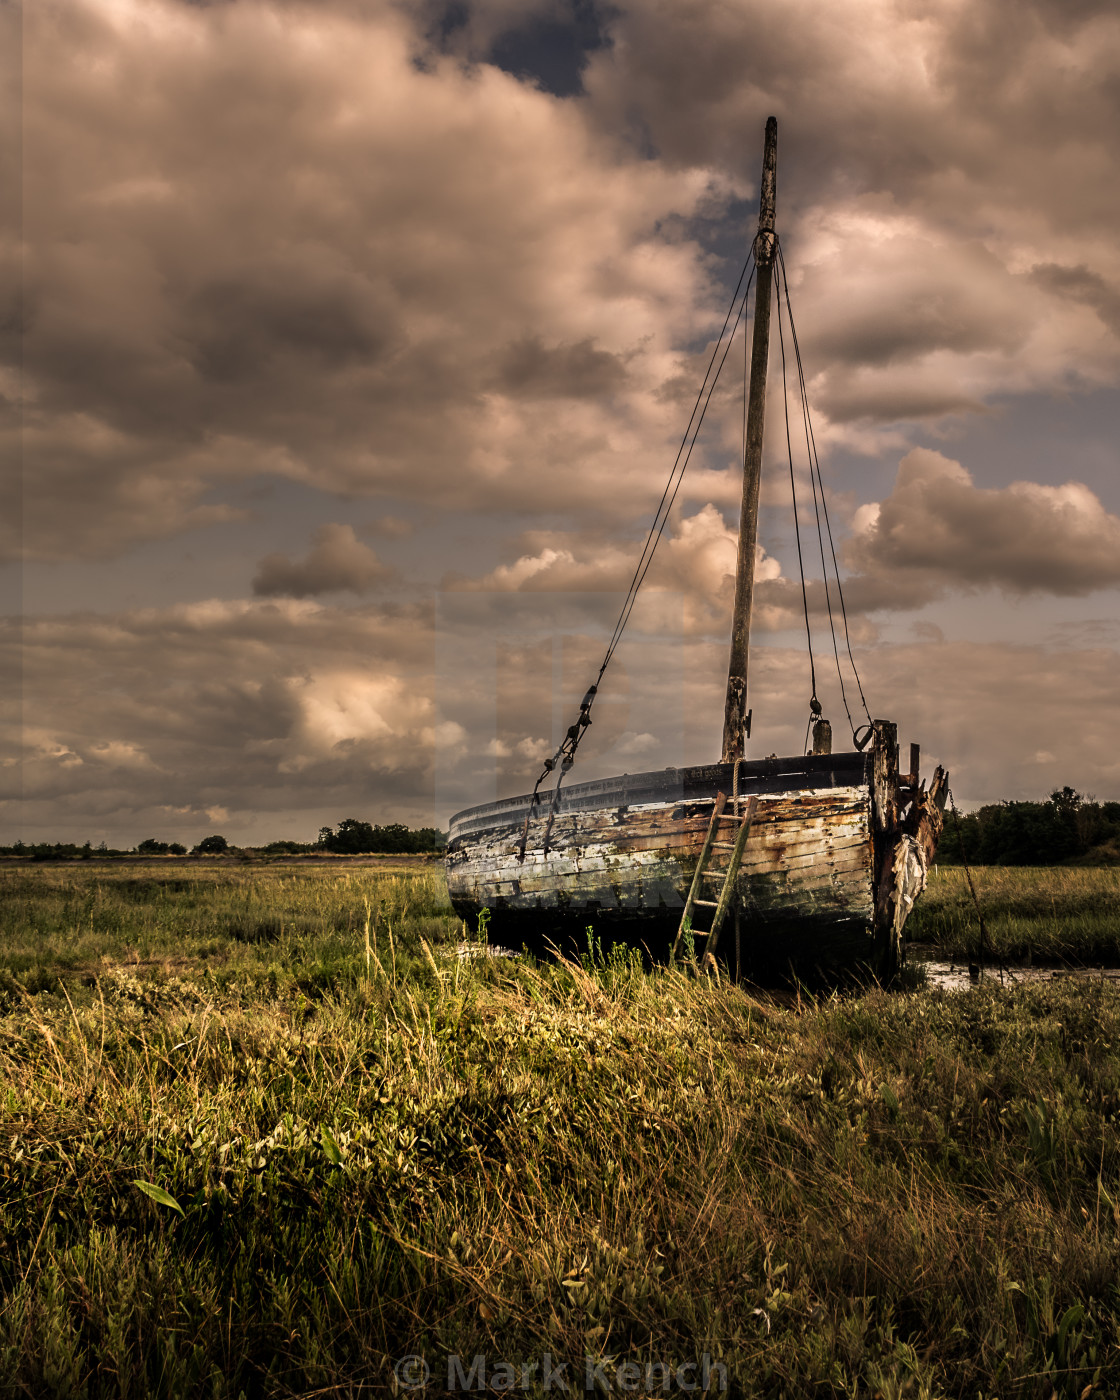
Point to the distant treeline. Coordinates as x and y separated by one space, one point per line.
353 837
1066 828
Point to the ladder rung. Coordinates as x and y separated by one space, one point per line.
708 903
724 845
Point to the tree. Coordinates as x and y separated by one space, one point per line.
355 837
211 846
151 847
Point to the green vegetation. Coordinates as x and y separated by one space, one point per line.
1048 915
360 838
152 847
302 925
1067 829
262 1132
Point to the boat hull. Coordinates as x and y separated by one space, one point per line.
621 856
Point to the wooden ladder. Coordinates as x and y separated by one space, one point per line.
706 871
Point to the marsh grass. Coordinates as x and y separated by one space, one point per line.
879 1195
236 922
1050 914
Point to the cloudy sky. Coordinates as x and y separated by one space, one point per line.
347 347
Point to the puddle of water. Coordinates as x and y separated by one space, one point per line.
959 976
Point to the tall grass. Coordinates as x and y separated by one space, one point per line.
343 1159
1058 914
244 922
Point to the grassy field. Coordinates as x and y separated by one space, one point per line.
263 1133
1052 914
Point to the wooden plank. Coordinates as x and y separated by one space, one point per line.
688 828
784 890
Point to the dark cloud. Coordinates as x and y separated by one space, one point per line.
927 159
531 369
914 296
338 562
943 105
238 326
292 251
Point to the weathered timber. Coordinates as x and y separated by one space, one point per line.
836 854
808 854
735 705
885 800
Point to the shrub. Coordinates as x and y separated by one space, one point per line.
211 846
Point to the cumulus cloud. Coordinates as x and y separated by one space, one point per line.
338 562
289 714
931 164
938 534
937 531
695 563
331 252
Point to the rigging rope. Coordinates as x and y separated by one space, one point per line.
814 703
565 754
815 472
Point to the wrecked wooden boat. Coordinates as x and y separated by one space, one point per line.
811 862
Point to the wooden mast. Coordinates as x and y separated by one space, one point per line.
735 708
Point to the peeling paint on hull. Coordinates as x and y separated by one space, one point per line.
808 855
621 855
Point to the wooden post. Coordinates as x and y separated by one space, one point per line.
822 736
915 765
735 708
885 834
